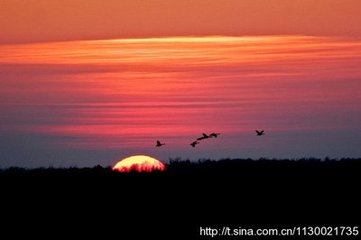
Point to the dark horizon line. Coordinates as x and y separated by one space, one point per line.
177 161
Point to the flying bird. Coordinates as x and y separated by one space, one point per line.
205 136
193 144
159 144
214 135
260 133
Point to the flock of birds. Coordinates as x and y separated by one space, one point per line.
205 136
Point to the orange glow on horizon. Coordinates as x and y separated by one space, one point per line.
147 52
139 163
187 50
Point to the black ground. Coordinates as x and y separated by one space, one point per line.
98 202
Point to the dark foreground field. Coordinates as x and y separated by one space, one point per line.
97 202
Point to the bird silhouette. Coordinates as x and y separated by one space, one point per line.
260 133
159 144
214 135
205 136
193 144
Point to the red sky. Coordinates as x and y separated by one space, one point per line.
114 98
134 71
54 20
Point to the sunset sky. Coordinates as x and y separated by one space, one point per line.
90 82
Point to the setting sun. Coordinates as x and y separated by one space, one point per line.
139 163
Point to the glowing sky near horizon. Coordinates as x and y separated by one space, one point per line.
92 102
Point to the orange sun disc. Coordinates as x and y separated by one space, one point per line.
139 163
